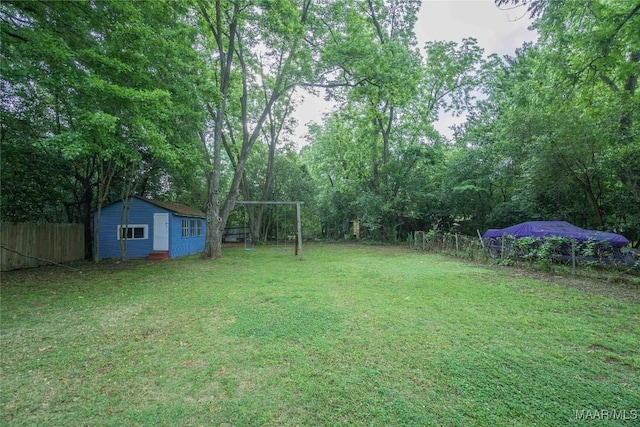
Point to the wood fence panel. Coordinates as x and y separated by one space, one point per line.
26 245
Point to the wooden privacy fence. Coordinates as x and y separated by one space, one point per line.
26 245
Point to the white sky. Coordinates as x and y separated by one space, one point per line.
497 31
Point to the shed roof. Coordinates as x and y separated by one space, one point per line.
175 207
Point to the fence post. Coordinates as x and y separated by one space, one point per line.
480 237
457 246
573 255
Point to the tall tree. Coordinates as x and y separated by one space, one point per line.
378 172
108 80
596 50
236 33
278 126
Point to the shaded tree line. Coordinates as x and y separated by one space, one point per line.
551 133
192 102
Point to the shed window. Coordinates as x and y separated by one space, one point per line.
191 227
133 232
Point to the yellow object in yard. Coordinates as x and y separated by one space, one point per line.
355 229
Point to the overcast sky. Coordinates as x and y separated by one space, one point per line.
497 31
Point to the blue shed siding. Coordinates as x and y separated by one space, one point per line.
141 213
180 246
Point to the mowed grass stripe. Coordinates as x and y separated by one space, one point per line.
353 335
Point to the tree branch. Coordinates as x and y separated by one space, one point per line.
376 24
625 20
609 82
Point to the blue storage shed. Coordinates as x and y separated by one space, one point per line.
153 229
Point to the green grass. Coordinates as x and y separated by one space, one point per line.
350 336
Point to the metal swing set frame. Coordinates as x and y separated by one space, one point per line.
298 249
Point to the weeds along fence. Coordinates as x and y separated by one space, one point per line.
451 243
536 253
26 245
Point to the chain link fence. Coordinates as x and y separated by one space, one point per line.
540 253
455 244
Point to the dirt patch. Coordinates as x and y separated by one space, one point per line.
52 272
621 286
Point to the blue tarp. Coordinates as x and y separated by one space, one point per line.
541 229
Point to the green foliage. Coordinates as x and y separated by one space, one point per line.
192 102
556 113
101 89
379 158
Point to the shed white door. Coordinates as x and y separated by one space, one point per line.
160 231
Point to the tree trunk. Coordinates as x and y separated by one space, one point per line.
105 175
213 238
229 48
631 84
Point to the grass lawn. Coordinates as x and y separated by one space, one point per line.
353 335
